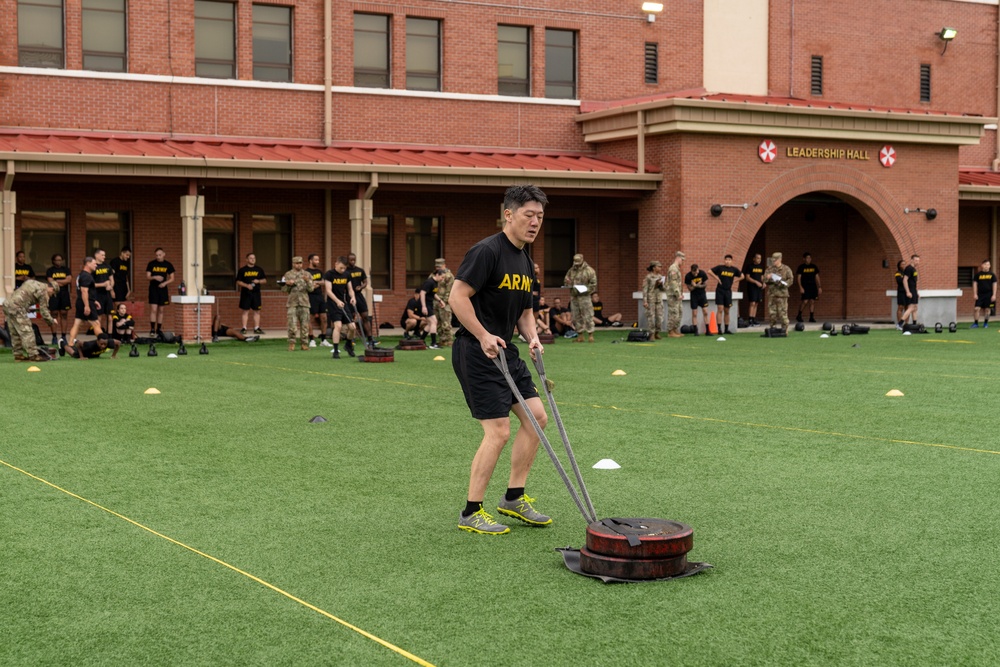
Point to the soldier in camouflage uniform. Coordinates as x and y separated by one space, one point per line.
441 308
675 297
580 304
15 310
653 289
298 283
777 278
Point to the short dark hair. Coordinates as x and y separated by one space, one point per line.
728 257
806 254
87 260
59 254
125 249
342 260
519 195
311 255
914 256
102 336
97 250
694 267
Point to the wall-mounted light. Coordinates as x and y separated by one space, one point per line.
929 213
652 9
946 35
716 209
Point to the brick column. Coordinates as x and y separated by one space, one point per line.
8 206
192 312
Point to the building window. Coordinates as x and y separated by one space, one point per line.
108 230
272 43
925 83
215 39
513 60
371 50
652 62
423 54
380 271
423 246
218 251
272 243
104 37
43 234
966 275
560 64
40 33
560 246
816 76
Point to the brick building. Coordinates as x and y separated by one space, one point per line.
214 129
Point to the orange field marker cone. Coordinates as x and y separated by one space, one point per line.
713 327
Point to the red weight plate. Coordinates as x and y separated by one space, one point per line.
631 568
658 538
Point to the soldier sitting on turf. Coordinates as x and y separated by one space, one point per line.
122 324
542 316
92 349
600 319
561 319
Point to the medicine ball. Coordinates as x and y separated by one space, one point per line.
827 326
799 326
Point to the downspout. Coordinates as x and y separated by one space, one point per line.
993 239
640 134
7 234
327 73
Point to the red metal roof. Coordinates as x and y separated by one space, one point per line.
978 177
153 146
587 107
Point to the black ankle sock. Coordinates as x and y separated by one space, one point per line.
434 339
471 507
513 493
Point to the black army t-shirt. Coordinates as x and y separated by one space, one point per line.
502 276
86 279
157 268
911 274
357 275
21 273
430 287
247 274
58 273
338 283
696 281
412 305
808 273
120 267
726 276
984 283
102 274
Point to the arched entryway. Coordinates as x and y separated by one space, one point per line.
854 228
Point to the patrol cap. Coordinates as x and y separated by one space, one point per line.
776 255
439 261
655 263
296 260
577 257
679 254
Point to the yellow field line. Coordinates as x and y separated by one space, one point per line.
796 429
260 581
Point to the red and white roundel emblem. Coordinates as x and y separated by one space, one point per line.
887 156
767 151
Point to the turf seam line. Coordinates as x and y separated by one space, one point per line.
797 429
386 644
333 375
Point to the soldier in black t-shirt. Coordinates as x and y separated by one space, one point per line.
600 318
561 319
411 319
22 270
340 301
317 302
428 293
249 279
92 349
755 287
122 324
696 281
810 288
121 266
901 301
60 303
87 306
359 281
910 287
984 291
491 296
160 273
727 275
104 279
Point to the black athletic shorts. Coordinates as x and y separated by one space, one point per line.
222 331
317 303
699 299
486 391
810 293
913 299
250 300
335 313
94 312
984 301
107 303
902 299
755 294
724 297
362 305
60 301
158 296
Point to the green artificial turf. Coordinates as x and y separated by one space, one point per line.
845 527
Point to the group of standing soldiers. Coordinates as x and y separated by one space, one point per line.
777 278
